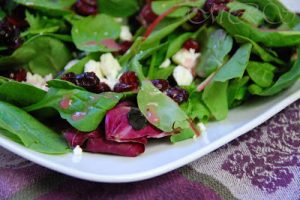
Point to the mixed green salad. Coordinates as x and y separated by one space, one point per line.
106 76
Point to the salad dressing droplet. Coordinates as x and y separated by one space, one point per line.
78 116
151 114
65 103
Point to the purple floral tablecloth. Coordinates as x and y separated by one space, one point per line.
262 164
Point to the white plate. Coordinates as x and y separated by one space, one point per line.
161 157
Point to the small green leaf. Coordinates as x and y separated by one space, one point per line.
118 8
215 98
217 47
236 66
101 28
261 73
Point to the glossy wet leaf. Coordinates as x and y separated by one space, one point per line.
118 8
20 94
236 66
32 133
219 44
83 110
101 29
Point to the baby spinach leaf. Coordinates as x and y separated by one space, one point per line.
83 110
118 8
275 11
271 38
285 80
51 7
258 50
251 14
261 73
255 89
159 109
159 7
237 91
101 29
236 66
20 94
43 55
215 98
31 132
219 44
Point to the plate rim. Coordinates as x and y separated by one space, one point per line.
156 171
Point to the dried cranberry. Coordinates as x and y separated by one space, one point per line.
191 44
161 84
238 13
124 46
9 35
129 78
122 87
215 6
88 80
102 87
86 7
17 75
178 94
71 77
147 16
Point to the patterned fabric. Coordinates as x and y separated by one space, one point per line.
262 164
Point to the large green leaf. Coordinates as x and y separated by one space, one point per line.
217 47
83 110
43 55
31 132
236 66
271 38
20 94
100 28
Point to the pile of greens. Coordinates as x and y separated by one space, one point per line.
246 51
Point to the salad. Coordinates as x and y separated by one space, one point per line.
107 76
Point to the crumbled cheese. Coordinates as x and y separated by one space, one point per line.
125 34
165 64
111 82
119 20
77 151
109 66
71 64
186 58
201 127
38 81
94 66
182 76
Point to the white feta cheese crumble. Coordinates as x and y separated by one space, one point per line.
201 127
77 151
94 66
109 66
118 19
71 64
182 76
125 34
165 64
38 81
186 58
